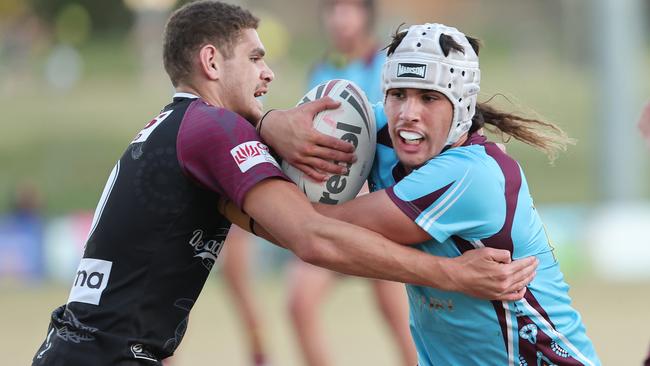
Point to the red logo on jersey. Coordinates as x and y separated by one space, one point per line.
249 150
251 153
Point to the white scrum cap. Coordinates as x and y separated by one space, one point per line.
419 62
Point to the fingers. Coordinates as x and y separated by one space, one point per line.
499 255
327 153
525 264
334 143
311 173
324 166
321 104
514 296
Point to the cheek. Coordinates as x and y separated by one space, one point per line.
390 110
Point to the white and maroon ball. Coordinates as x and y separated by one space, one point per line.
353 121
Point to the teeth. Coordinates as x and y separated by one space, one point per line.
408 135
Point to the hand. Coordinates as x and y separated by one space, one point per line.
489 273
644 123
291 134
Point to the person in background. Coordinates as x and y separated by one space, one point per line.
644 129
644 124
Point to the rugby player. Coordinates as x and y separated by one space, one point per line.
156 232
446 189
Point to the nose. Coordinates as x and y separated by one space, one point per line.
267 74
410 110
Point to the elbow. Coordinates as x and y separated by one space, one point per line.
312 252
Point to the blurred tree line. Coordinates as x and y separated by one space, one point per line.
105 16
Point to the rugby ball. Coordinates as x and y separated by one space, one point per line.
352 121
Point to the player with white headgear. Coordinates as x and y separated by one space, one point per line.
447 188
420 62
444 188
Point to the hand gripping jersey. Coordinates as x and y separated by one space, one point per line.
155 236
465 198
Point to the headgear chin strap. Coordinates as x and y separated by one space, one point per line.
419 62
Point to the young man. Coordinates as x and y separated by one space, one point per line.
156 232
448 191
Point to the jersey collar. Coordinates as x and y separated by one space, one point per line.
185 95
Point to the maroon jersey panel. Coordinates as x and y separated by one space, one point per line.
222 151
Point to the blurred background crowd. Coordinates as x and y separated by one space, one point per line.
79 78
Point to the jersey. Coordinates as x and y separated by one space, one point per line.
366 73
468 197
156 234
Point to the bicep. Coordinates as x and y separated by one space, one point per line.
377 212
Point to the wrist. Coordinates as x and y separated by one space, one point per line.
258 127
445 272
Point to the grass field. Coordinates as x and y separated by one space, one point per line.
616 317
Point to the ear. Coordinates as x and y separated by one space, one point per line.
210 61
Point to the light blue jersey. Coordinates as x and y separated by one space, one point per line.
469 197
366 73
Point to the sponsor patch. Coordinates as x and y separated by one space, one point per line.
251 153
90 281
411 70
143 135
208 249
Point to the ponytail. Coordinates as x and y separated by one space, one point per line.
544 136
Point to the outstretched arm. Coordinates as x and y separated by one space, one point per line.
477 272
349 249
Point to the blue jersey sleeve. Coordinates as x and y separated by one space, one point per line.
385 159
452 195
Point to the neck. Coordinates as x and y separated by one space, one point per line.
460 141
207 94
360 48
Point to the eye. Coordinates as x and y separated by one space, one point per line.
430 97
396 93
255 59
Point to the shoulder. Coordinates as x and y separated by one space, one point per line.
201 116
465 168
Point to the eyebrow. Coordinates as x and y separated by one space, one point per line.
258 52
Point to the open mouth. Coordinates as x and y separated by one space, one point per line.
259 93
410 137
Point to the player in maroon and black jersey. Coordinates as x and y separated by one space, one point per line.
156 232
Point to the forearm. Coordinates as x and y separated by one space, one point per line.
345 248
237 217
337 245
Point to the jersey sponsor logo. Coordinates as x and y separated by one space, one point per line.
251 153
90 281
207 249
143 135
405 70
140 352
